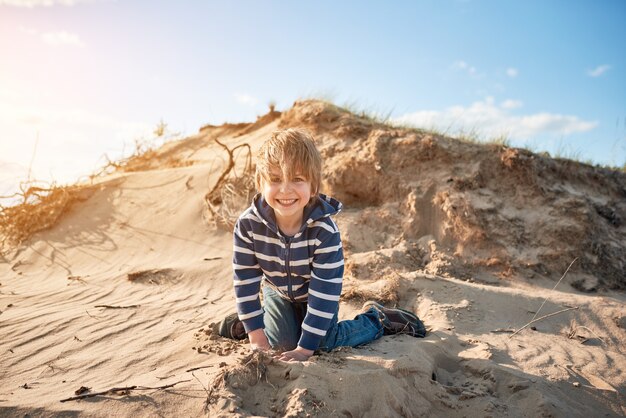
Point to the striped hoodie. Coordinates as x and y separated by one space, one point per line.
307 267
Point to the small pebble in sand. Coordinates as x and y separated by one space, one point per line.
576 384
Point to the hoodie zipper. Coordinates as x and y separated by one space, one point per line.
288 270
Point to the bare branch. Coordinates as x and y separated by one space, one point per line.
124 391
543 317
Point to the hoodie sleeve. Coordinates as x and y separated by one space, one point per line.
324 288
247 279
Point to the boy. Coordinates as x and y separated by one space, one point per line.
287 244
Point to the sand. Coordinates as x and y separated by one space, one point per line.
125 289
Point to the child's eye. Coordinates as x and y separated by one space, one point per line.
275 179
298 179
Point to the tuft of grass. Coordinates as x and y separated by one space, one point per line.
501 140
326 96
232 192
407 126
370 113
471 135
160 129
566 152
39 209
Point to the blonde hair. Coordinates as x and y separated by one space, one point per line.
292 151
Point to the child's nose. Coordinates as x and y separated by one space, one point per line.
285 186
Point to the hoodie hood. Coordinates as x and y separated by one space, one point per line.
321 207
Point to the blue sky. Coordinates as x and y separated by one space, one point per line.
88 77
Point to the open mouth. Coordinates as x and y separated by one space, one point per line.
286 202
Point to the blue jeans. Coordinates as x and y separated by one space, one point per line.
283 320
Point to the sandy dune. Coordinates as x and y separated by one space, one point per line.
124 289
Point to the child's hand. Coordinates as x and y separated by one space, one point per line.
299 354
258 340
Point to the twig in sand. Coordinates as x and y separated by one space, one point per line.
503 330
94 317
198 368
544 302
557 283
117 307
572 333
76 278
543 317
208 399
122 390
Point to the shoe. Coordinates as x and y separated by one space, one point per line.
231 327
396 320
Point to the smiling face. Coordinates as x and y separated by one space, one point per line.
288 197
288 174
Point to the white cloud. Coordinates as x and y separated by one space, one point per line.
511 104
463 66
62 38
512 72
487 120
246 99
40 3
599 70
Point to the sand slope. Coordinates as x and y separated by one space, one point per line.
124 289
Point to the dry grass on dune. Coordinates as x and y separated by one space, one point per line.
232 192
40 208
